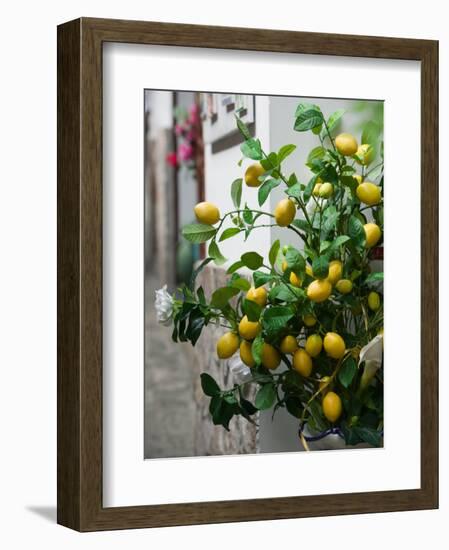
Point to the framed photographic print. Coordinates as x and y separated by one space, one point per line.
247 274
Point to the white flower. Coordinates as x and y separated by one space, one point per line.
372 355
164 306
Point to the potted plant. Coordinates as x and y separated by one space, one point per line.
309 323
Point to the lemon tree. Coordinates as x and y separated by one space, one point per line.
303 322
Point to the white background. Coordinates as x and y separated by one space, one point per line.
128 480
28 275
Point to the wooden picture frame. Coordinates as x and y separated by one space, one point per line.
80 503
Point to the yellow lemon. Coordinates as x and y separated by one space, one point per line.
372 234
206 212
344 286
326 190
335 271
316 189
324 384
373 301
246 355
285 212
309 270
368 193
284 265
302 362
289 344
314 345
271 358
346 144
252 175
319 290
227 345
365 154
309 320
332 407
249 329
258 295
295 280
357 177
334 345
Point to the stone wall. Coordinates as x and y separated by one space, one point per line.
243 436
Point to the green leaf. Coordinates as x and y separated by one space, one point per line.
294 405
252 310
276 317
214 252
195 326
330 217
286 293
292 180
198 232
236 192
247 215
224 414
324 245
252 260
210 387
234 267
197 271
295 191
247 406
307 117
241 284
256 349
356 232
285 151
265 397
309 188
317 415
347 372
320 267
272 160
316 153
303 225
340 240
221 296
274 251
252 149
368 435
243 128
230 232
265 189
334 118
372 277
260 278
371 133
295 261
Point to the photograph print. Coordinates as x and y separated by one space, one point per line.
264 234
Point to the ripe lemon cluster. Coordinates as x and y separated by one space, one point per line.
334 346
367 192
231 341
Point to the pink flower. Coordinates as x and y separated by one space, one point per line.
172 159
190 136
185 152
178 129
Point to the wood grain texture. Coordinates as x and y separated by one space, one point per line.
69 409
80 274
